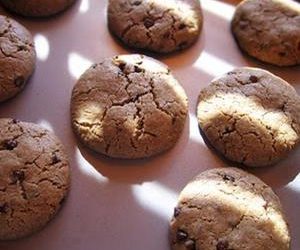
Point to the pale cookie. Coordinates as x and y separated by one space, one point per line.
228 209
250 116
128 106
269 30
17 57
155 25
34 178
37 8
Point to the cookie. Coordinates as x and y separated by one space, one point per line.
250 116
17 57
226 209
158 26
34 178
128 106
269 30
37 8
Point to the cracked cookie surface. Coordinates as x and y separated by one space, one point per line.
34 178
37 8
159 26
228 209
269 30
250 116
17 57
128 106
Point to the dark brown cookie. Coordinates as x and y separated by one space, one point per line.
34 178
17 57
159 26
37 8
250 116
128 106
228 209
269 30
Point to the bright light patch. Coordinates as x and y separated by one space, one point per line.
42 47
77 64
156 198
212 65
87 168
219 8
84 6
194 130
295 185
45 124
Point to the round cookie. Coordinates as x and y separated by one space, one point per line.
34 178
128 106
250 116
226 209
155 25
269 30
37 8
17 57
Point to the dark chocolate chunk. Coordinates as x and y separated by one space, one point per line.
253 79
181 235
3 208
176 211
222 245
15 121
227 177
148 23
10 144
122 66
17 176
182 26
138 69
137 3
55 158
19 81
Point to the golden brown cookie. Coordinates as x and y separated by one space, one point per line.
226 209
159 26
128 106
17 57
269 30
34 178
37 8
250 116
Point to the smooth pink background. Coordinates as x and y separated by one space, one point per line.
126 205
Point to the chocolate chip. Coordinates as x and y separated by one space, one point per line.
122 66
182 26
190 245
181 235
137 3
176 211
15 121
138 69
148 23
10 144
227 177
231 73
253 79
3 208
55 158
17 176
222 245
19 81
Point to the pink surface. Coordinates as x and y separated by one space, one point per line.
126 205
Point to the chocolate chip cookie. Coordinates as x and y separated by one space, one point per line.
159 26
250 116
17 57
226 209
36 8
269 30
34 178
128 106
